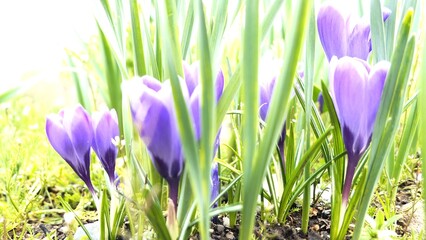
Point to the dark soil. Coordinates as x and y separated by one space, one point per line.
408 202
319 227
319 222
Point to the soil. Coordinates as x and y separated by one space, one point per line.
319 229
408 203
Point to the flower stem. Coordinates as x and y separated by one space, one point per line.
350 171
173 190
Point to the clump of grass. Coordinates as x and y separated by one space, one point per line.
32 175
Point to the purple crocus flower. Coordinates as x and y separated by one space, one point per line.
215 182
356 89
70 133
342 34
266 89
105 129
320 101
151 104
154 116
191 73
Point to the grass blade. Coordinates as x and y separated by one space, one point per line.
138 54
422 106
250 96
275 119
208 117
309 83
377 31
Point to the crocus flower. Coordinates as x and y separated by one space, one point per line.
356 89
342 34
215 182
266 89
105 129
191 73
320 101
154 116
70 133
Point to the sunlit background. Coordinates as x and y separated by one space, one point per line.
34 34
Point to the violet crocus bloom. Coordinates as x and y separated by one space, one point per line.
342 34
106 131
70 133
191 73
151 104
266 89
356 89
320 101
154 116
215 182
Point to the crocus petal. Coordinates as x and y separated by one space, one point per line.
264 102
386 12
58 138
351 99
359 41
215 182
219 85
191 76
377 79
332 69
151 83
157 117
105 126
195 110
266 89
332 31
78 125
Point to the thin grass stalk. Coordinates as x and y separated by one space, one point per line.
208 117
407 138
138 48
106 25
378 40
81 84
220 17
187 29
250 65
309 82
176 54
159 41
316 123
338 167
152 67
270 16
113 77
289 192
275 118
391 106
390 27
422 103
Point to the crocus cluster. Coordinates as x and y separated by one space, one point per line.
154 116
343 34
72 133
355 86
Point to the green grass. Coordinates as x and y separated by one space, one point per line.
33 175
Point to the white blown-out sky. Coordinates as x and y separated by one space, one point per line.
34 33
